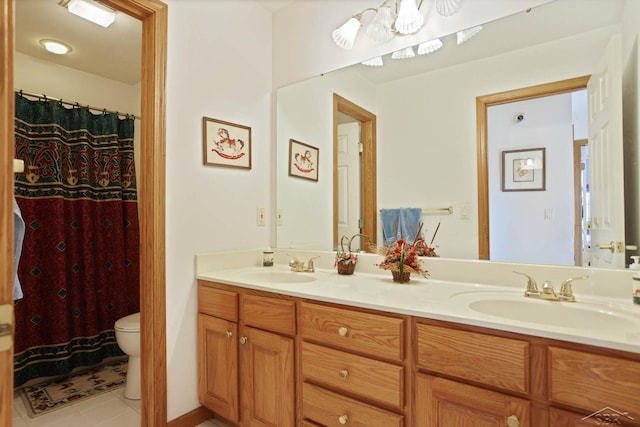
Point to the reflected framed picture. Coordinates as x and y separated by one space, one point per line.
523 170
226 144
303 160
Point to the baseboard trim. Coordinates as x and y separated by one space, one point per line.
192 419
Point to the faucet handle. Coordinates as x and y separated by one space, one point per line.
566 292
310 266
532 285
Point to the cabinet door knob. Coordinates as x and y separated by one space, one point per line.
343 374
228 334
342 419
512 421
342 331
243 340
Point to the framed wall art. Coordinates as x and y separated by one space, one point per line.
226 144
303 160
523 170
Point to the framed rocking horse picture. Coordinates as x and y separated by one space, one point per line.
303 160
226 144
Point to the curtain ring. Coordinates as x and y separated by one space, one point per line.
20 93
76 105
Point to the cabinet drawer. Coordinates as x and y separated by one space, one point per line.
358 375
372 334
218 303
495 361
592 382
269 313
330 409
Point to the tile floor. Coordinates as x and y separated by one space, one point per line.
110 409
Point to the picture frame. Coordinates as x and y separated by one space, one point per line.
225 144
303 160
524 170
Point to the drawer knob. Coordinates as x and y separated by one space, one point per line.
228 334
342 331
243 340
342 419
512 421
343 374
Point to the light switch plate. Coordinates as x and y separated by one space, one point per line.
260 217
279 217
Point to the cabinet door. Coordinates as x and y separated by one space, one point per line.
267 384
443 403
218 366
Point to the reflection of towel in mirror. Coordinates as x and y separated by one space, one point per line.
18 237
401 223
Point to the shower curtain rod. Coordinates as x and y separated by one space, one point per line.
73 104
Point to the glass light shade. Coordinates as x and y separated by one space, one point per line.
55 46
92 11
429 47
374 62
380 27
345 36
448 7
403 53
465 35
409 19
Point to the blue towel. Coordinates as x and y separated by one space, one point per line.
402 223
18 237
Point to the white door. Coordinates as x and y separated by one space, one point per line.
349 181
605 148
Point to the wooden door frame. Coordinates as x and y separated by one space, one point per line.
368 193
482 104
151 201
577 199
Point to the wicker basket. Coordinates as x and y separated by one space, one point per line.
346 268
406 276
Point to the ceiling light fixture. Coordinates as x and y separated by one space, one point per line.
392 18
405 53
55 46
92 11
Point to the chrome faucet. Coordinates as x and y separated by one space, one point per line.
298 266
548 293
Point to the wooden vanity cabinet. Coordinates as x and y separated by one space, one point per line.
246 357
352 366
218 351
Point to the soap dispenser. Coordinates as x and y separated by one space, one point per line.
634 265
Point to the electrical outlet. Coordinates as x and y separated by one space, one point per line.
261 219
279 217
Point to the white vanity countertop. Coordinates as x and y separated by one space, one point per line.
450 301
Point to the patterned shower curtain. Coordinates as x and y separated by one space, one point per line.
79 267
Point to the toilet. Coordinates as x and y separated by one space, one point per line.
128 339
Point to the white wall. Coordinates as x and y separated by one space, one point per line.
520 230
219 66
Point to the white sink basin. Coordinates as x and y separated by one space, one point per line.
277 277
576 315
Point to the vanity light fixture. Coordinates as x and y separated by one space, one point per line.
465 35
429 47
91 10
55 46
405 53
393 18
374 62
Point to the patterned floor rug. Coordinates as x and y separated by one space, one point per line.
51 395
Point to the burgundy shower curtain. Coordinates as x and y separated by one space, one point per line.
79 267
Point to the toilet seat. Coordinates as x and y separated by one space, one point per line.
130 323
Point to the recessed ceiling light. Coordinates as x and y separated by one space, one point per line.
92 11
55 46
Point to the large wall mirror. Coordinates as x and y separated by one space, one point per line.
427 129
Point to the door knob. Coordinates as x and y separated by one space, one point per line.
618 247
512 421
342 419
244 340
343 374
228 334
342 331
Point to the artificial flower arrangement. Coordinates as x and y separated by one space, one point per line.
346 260
402 260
